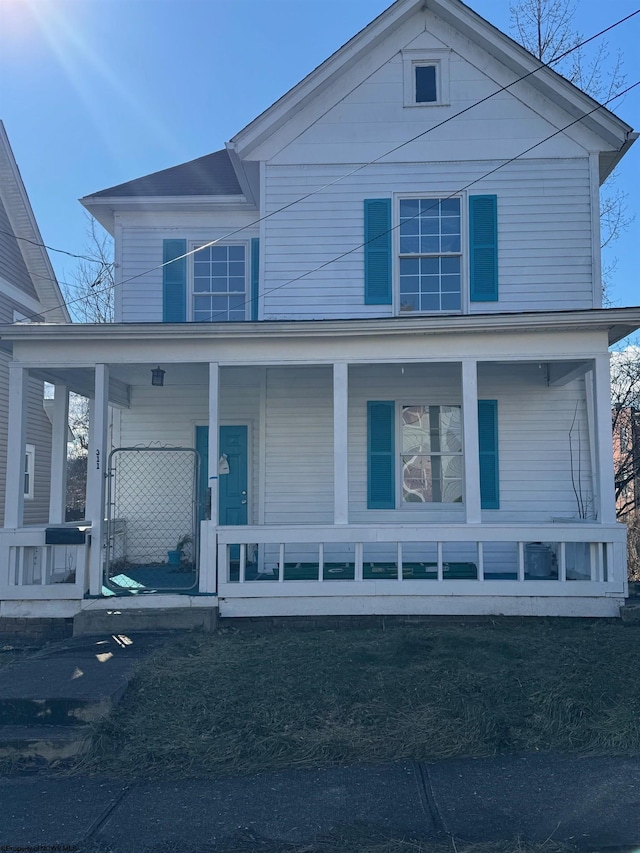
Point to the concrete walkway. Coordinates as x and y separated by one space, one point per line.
592 803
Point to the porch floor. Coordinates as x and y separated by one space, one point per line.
136 580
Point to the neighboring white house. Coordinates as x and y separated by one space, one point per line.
28 291
360 363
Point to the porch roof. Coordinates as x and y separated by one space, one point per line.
617 322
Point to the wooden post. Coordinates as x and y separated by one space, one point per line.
470 441
16 446
96 470
606 506
58 487
340 443
209 554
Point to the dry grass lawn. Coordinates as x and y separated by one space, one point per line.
241 702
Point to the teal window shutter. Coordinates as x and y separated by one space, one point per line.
483 247
380 455
488 444
377 251
255 276
174 282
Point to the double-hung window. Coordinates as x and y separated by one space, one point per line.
431 454
220 283
430 254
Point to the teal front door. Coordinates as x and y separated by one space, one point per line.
233 485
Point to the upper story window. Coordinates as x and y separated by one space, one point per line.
426 77
220 283
430 254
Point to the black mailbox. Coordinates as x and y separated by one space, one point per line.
64 536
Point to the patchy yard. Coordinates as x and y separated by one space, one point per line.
240 702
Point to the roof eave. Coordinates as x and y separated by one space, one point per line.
617 322
104 208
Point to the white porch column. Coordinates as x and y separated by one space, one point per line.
340 443
17 436
96 468
470 441
58 488
606 500
208 543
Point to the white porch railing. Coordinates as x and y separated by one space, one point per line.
31 569
567 559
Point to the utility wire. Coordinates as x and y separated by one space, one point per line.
346 175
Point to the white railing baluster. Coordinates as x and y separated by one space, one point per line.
480 550
440 566
562 566
281 564
399 558
358 555
243 563
321 562
521 561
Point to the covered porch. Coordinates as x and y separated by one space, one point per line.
273 474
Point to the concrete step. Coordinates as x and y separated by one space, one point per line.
50 743
630 612
99 621
48 700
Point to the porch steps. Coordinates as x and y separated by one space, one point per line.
49 700
125 620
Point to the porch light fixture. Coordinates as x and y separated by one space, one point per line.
157 376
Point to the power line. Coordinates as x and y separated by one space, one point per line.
359 168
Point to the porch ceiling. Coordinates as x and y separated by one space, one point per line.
80 380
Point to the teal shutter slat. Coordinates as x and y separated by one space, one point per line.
483 247
488 445
380 455
174 282
255 276
377 251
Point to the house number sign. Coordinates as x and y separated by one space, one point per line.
98 459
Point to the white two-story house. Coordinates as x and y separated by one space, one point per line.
360 361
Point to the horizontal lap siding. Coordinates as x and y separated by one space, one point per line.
544 233
299 446
12 266
533 427
141 251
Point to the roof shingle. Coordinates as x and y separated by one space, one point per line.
212 174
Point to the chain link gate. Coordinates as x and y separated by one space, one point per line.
153 516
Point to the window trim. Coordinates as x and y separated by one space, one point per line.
194 244
417 506
464 254
29 470
436 57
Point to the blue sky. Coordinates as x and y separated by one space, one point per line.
96 92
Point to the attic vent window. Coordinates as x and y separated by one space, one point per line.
426 84
426 77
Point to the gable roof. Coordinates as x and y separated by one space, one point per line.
23 224
615 133
210 175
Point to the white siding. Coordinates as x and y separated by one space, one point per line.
533 428
543 228
141 256
299 446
